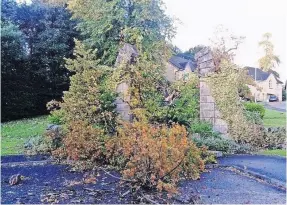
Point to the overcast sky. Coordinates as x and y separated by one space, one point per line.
250 18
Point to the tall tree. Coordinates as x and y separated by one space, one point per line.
17 91
107 24
269 60
49 34
43 35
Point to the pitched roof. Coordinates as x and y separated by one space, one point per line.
181 63
260 74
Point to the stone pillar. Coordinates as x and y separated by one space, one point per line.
127 54
208 109
123 107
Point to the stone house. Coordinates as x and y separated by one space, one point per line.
266 84
179 67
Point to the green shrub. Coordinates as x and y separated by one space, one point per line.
46 143
204 129
215 144
91 95
253 117
37 145
254 107
221 144
182 109
56 117
275 137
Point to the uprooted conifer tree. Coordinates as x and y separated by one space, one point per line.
148 153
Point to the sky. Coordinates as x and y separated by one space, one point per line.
249 18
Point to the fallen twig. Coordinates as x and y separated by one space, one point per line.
126 193
148 199
116 176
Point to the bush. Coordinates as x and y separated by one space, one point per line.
275 137
182 107
84 142
221 144
253 117
213 140
46 144
91 95
37 145
204 129
155 156
185 109
215 144
57 117
254 107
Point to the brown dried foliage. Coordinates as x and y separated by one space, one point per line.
155 156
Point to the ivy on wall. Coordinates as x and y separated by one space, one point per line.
224 87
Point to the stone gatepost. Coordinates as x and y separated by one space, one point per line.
208 109
127 54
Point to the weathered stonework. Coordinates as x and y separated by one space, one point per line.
127 54
123 107
208 109
205 66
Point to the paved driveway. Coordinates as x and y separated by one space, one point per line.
270 166
279 106
225 185
219 185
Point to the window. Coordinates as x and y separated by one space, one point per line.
270 84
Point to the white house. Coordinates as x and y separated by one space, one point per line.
267 84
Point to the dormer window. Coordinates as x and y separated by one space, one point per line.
270 84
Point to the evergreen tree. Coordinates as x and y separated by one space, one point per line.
106 24
35 38
90 97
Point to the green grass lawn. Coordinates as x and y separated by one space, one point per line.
278 152
15 133
274 118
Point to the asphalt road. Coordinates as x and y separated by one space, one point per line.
222 186
270 166
279 106
216 186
